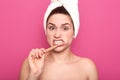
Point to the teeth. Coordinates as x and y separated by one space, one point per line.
58 42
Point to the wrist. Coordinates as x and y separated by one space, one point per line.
32 77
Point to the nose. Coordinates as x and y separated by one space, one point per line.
57 34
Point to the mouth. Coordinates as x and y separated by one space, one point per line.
58 42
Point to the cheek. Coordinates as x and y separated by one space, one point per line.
48 34
49 37
69 37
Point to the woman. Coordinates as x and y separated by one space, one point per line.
58 63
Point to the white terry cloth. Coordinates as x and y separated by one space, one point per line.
71 6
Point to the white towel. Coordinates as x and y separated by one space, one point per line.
71 6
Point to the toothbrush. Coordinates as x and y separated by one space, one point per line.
51 48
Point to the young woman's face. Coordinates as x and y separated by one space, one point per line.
59 30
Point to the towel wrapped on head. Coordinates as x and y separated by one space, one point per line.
71 7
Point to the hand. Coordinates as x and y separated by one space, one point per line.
36 62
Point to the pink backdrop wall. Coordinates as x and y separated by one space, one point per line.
99 35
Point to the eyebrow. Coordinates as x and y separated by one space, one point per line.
54 24
51 24
65 24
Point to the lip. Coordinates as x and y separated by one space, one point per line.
54 41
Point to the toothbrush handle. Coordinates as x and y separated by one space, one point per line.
51 48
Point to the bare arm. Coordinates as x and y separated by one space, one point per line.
32 66
92 71
24 70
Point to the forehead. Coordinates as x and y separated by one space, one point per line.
59 18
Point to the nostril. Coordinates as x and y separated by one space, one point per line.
57 34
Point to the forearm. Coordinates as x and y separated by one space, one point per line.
32 77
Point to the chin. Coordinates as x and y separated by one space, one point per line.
59 49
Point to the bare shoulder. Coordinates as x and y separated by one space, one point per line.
90 68
87 62
24 70
84 60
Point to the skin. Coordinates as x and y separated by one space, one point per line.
60 63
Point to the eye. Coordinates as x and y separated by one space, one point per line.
51 28
65 28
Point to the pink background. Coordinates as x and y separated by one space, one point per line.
21 29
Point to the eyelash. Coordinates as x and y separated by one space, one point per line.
51 28
65 28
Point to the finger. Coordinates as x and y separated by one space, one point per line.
40 52
31 58
43 58
31 54
34 54
43 49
